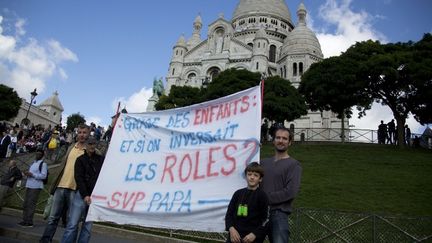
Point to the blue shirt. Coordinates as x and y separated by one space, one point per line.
35 181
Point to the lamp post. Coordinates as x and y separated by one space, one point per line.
32 97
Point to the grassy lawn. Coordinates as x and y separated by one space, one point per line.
364 178
352 177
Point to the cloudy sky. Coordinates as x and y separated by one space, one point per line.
98 53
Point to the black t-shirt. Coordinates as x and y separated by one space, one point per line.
257 212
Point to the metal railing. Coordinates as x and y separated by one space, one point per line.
313 225
335 135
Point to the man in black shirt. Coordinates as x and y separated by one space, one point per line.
281 184
87 169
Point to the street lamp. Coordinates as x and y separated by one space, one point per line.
33 94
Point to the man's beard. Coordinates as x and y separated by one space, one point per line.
281 150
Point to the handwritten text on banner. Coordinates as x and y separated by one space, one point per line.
179 168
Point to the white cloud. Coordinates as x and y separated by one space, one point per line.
60 53
25 63
19 27
137 102
7 43
62 73
349 27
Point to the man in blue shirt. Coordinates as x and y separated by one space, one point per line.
34 186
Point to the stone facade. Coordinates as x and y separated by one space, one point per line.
261 37
48 113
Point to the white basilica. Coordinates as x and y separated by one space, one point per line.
261 37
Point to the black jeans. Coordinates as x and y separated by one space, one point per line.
29 204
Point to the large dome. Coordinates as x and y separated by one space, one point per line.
277 8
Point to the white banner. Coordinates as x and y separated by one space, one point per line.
178 168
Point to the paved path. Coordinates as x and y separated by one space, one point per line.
10 232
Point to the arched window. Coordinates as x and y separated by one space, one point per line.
294 69
191 77
173 71
176 52
272 53
213 72
257 65
259 45
300 68
284 73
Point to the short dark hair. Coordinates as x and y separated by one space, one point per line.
83 126
254 167
290 134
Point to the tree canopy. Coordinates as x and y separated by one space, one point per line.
74 120
331 85
397 75
421 73
282 101
10 103
179 96
231 81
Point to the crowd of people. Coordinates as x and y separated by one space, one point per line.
70 189
387 134
28 139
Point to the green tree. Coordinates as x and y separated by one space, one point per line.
421 72
179 96
331 85
10 103
282 101
74 120
391 73
231 81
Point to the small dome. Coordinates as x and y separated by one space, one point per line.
181 41
302 39
53 101
198 19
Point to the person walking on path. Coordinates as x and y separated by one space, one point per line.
407 135
382 133
64 186
281 184
247 214
8 180
391 132
34 185
87 169
5 140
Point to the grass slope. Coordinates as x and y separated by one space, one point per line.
363 177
